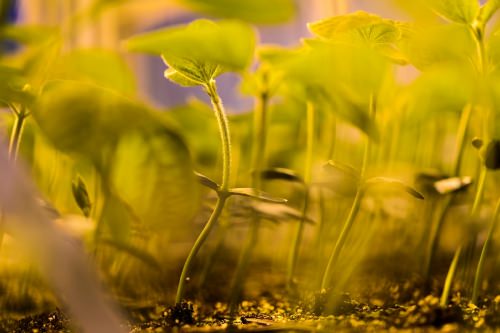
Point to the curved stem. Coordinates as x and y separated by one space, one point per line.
211 90
297 239
478 278
197 245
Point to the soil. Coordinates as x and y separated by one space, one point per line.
276 313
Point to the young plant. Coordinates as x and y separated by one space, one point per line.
195 55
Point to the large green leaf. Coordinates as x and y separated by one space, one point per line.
255 11
198 50
459 11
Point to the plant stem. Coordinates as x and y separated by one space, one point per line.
297 239
332 261
478 278
456 169
17 132
220 114
211 90
450 276
258 153
197 245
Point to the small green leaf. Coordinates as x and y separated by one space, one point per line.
254 11
12 84
394 183
205 181
279 212
488 10
81 195
459 11
255 194
281 174
453 184
182 80
492 155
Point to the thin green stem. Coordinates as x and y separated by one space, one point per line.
297 238
450 276
332 261
478 278
211 90
456 169
17 132
478 197
346 228
219 206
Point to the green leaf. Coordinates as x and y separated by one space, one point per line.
488 10
12 84
181 79
368 27
255 194
459 11
342 168
28 34
198 50
99 66
279 212
255 11
205 181
392 183
81 195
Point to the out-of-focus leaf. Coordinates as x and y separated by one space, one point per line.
118 217
198 50
342 168
459 11
12 83
281 174
205 181
392 183
279 212
28 34
255 194
440 90
83 118
492 155
134 251
453 184
102 67
488 10
255 11
81 195
428 46
368 27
